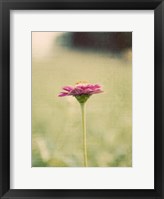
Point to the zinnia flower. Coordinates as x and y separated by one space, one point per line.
82 91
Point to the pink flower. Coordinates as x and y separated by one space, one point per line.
82 91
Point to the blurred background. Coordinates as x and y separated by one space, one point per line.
64 58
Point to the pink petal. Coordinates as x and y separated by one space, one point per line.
62 94
76 91
81 89
68 88
96 91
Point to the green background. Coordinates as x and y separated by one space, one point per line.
56 122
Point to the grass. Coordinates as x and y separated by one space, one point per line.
56 122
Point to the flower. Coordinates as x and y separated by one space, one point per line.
82 91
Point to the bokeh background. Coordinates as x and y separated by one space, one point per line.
64 58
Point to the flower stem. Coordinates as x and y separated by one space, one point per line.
84 133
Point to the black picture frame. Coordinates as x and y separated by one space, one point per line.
5 7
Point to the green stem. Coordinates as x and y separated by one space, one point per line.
84 133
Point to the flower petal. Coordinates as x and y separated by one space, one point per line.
68 88
96 91
81 89
63 94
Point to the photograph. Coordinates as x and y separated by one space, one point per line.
81 99
82 94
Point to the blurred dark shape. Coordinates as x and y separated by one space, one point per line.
113 41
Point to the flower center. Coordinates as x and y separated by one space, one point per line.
81 83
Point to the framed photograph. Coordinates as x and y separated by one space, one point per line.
81 99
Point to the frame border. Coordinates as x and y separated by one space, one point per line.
5 7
